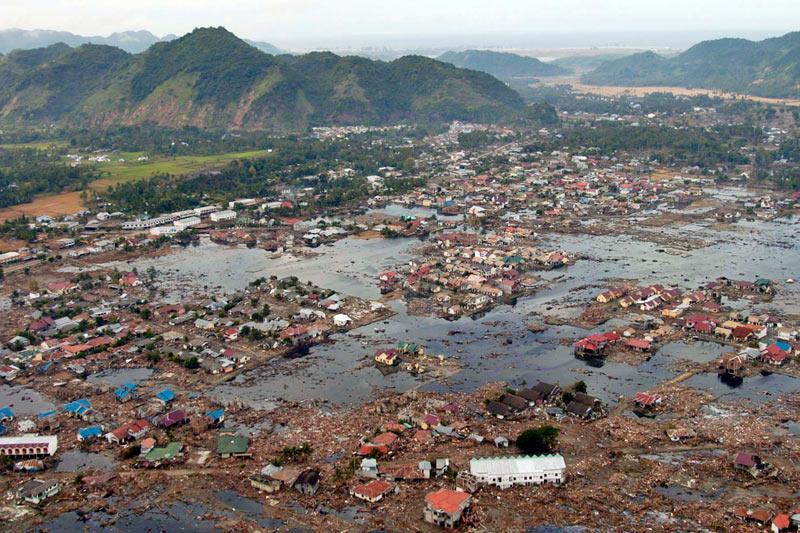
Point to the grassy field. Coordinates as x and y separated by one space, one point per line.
39 145
67 203
131 170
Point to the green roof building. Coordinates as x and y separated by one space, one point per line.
233 445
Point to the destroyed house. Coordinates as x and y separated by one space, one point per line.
307 482
165 396
497 409
515 402
547 390
749 462
406 471
532 396
647 400
579 409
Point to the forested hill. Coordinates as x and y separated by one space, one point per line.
502 64
211 78
765 68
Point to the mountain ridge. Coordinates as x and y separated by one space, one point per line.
211 78
769 68
132 41
502 65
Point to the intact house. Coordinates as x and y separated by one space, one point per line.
36 491
128 432
174 418
446 507
374 491
233 446
505 472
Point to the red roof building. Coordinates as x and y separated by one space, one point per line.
446 507
374 491
638 344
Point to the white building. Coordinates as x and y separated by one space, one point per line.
341 320
186 223
158 231
223 215
504 472
205 210
29 445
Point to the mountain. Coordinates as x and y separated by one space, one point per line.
768 68
130 41
211 78
585 63
267 48
502 65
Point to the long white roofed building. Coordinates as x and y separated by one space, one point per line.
507 471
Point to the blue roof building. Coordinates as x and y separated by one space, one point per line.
90 433
217 416
165 396
78 408
125 392
6 414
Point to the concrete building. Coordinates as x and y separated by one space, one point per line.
29 446
446 507
504 472
220 216
186 223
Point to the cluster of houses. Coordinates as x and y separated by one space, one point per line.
759 336
545 397
32 452
467 273
103 319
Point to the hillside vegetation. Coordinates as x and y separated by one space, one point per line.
769 68
503 65
212 79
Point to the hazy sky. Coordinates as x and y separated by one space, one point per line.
302 23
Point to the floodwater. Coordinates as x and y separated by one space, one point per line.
24 402
250 509
397 210
176 516
78 461
351 266
117 377
341 371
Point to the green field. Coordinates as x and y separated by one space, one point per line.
39 145
118 172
